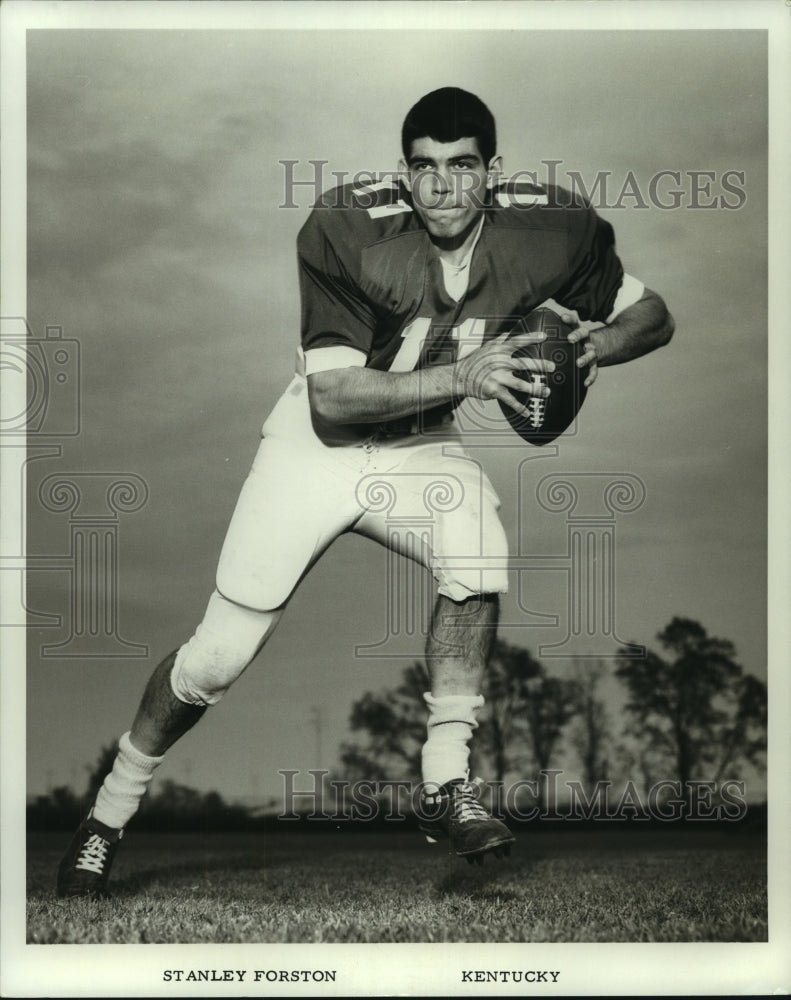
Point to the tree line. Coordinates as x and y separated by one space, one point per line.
687 713
173 807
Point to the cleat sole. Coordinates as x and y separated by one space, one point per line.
500 849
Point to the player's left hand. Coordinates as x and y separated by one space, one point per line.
581 334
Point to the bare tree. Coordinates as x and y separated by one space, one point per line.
502 734
745 735
394 727
697 710
549 706
591 733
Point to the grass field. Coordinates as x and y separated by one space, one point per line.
390 886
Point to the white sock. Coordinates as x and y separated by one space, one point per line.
451 722
119 797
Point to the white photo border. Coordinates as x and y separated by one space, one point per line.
121 970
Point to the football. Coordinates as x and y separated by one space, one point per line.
551 416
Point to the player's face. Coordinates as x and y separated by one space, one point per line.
449 182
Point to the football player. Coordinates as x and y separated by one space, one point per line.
409 291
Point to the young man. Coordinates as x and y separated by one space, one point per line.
409 290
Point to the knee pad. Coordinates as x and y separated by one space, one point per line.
224 644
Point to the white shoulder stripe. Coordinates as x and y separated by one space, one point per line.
376 186
381 210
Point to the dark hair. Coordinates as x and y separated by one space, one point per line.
447 115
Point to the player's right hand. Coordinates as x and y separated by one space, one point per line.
490 372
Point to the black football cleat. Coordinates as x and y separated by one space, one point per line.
455 811
86 865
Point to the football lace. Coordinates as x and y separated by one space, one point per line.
537 404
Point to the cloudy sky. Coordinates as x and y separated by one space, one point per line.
157 241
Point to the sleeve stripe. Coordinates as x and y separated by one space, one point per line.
631 291
325 359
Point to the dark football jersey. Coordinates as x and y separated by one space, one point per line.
371 277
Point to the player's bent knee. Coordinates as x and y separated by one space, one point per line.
224 644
